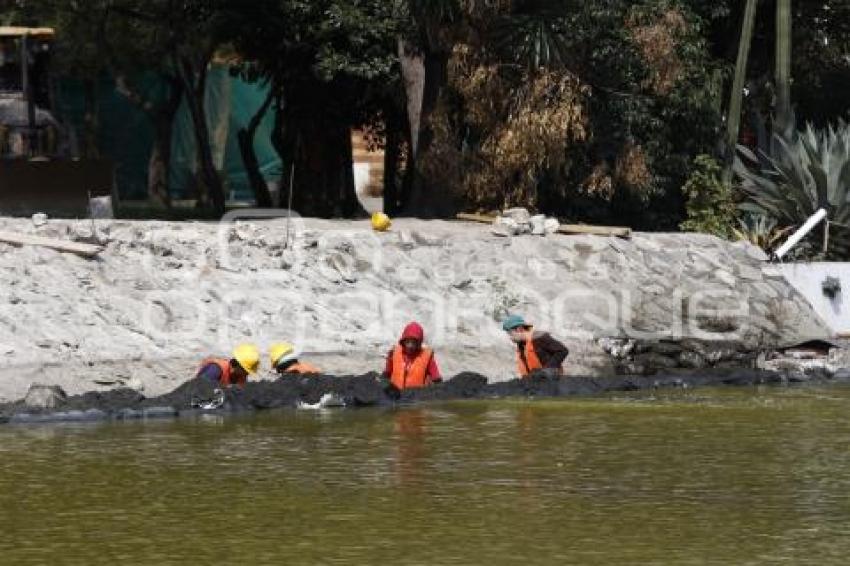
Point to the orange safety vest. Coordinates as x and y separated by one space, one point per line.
302 368
413 374
531 361
226 378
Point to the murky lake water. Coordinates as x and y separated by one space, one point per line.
733 476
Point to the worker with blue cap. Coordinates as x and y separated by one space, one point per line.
536 351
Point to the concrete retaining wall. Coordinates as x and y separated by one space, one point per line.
808 279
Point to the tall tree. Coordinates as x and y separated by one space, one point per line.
783 64
733 117
329 63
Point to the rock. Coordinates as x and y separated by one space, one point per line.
691 360
749 273
39 219
135 384
426 240
772 272
500 230
519 215
538 225
44 396
617 347
504 226
646 244
725 277
551 225
406 240
665 348
752 251
655 361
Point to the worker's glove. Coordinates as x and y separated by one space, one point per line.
392 392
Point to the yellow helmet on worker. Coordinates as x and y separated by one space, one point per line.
248 357
381 222
280 353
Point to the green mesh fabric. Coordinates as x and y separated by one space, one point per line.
125 134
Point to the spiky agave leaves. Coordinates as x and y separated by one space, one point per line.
803 172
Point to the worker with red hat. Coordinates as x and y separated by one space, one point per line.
410 365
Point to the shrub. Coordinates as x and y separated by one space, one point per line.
710 202
800 173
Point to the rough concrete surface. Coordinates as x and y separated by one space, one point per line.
163 295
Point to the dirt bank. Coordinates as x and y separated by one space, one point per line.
367 391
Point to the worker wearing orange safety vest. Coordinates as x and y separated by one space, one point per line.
233 371
410 365
284 360
536 351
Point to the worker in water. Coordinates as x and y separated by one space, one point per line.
284 360
536 351
411 365
234 371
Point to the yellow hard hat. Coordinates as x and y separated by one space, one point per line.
280 353
248 357
381 222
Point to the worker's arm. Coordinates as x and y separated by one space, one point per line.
388 366
551 352
210 372
434 370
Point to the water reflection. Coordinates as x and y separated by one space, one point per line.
726 476
410 428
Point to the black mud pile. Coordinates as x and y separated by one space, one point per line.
366 390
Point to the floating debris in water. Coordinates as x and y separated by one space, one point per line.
328 400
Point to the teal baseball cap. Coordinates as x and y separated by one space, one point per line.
512 322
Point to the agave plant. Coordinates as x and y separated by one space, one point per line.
761 230
801 173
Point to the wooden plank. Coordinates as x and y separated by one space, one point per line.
620 231
485 218
78 248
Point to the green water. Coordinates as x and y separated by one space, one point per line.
734 476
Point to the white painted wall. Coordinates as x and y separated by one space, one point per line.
807 278
361 177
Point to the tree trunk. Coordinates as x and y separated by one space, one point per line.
320 148
424 200
783 65
194 83
249 155
392 155
733 121
159 164
90 119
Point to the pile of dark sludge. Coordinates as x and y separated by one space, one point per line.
199 396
